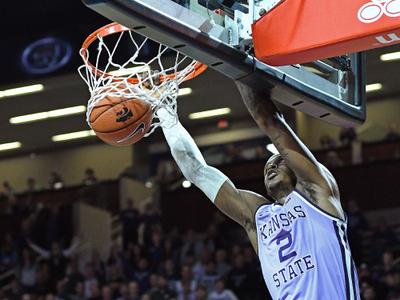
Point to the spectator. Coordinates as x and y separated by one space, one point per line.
14 292
210 276
168 172
368 281
347 136
162 291
115 276
186 285
8 190
156 249
199 267
74 276
333 160
171 249
169 272
27 271
233 154
31 185
186 292
123 292
145 297
90 280
9 196
95 293
54 224
201 293
327 142
98 265
89 177
384 238
238 277
389 263
44 280
60 290
106 293
212 239
191 245
56 182
357 224
130 223
115 258
142 275
8 253
393 133
392 282
57 258
368 293
221 293
151 220
222 266
133 290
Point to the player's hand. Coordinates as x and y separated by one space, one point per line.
150 79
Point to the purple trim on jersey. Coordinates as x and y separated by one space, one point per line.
317 207
353 281
258 208
336 227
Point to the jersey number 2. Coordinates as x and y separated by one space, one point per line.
286 241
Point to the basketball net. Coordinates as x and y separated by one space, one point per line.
155 81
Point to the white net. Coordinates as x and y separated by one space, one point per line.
153 79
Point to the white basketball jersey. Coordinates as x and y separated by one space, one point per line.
304 252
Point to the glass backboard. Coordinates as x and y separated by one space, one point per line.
218 33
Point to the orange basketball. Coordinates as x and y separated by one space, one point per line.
120 121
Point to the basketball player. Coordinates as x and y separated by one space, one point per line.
300 237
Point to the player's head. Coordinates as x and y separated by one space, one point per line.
278 177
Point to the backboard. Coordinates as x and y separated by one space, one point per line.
218 33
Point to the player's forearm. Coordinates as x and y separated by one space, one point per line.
191 162
261 108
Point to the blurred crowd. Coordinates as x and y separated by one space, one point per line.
149 264
376 251
41 259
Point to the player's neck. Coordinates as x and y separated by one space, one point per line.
282 200
281 193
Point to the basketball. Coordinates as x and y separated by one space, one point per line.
120 121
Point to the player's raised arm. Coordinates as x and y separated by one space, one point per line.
312 178
239 205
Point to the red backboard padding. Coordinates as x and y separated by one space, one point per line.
298 31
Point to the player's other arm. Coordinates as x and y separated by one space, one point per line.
239 205
312 177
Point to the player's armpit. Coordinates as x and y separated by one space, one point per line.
240 206
230 201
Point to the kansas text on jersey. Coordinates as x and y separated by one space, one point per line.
304 252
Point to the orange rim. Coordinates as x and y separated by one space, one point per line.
113 28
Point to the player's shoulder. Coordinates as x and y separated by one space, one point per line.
254 200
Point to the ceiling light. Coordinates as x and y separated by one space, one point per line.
48 114
148 184
73 135
373 87
9 146
210 113
271 148
22 90
390 56
184 91
186 184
